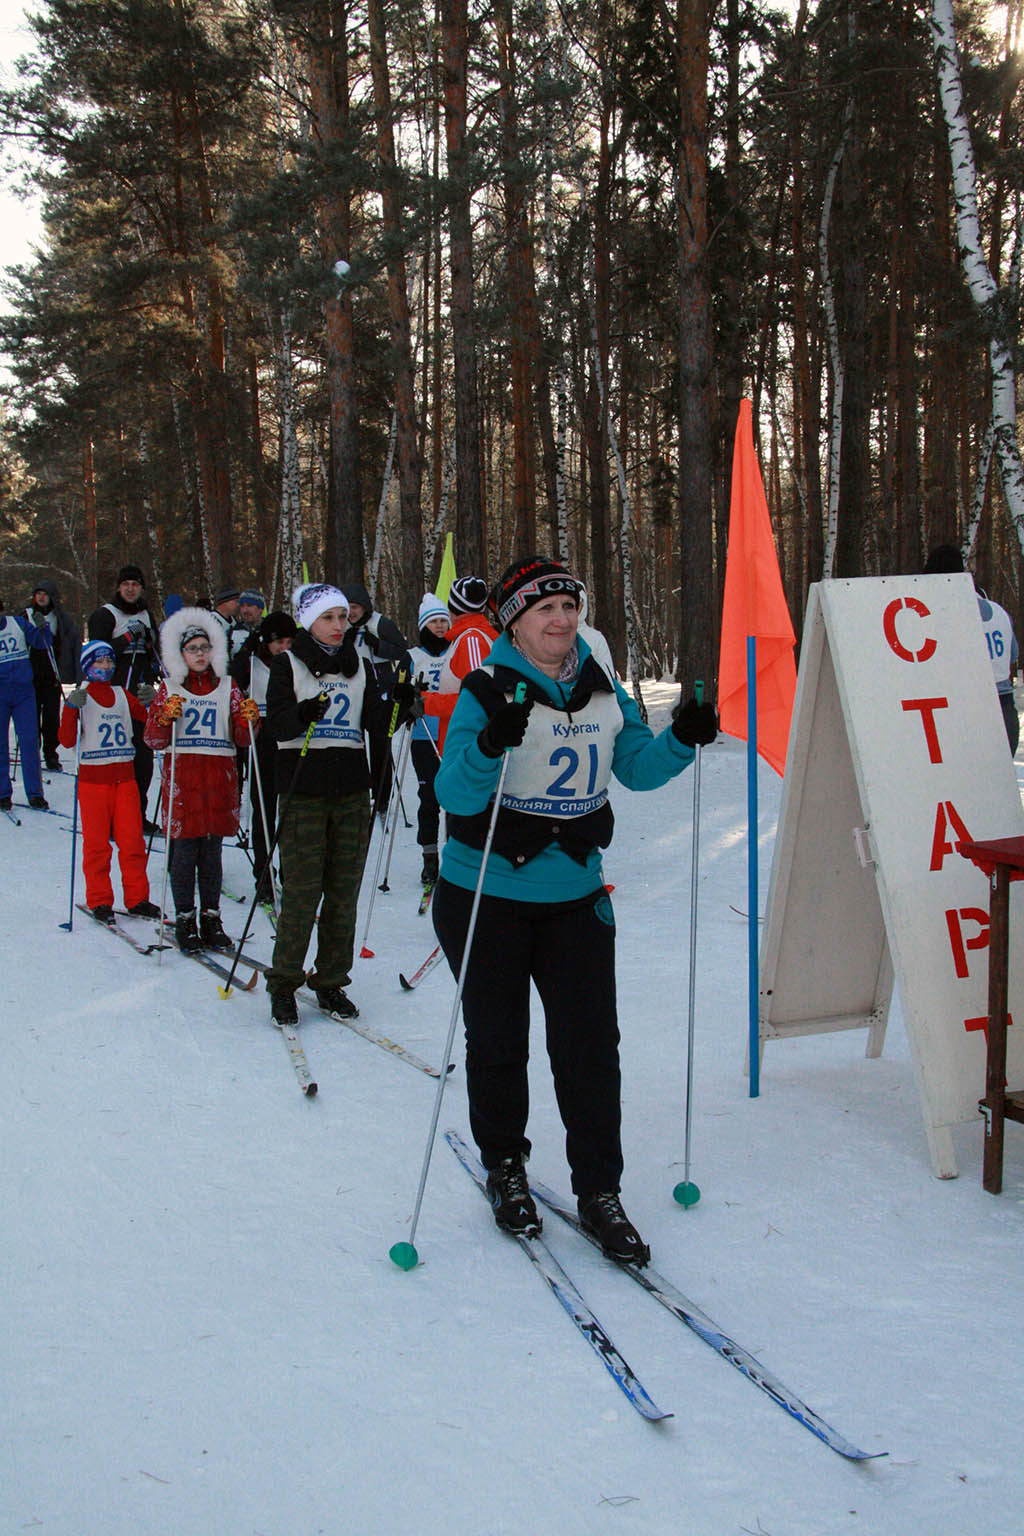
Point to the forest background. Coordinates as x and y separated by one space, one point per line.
320 282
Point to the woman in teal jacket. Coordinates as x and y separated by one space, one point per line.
544 913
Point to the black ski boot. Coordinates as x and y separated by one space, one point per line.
5 802
39 802
334 1000
212 934
105 915
509 1192
186 933
282 1008
603 1216
144 909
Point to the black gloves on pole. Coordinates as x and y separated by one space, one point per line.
695 725
506 728
313 709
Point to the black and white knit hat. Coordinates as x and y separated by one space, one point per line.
530 581
314 598
467 594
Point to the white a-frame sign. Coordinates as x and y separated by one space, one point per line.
897 752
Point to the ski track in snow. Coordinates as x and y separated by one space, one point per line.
203 1332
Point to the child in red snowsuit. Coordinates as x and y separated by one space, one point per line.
108 802
201 712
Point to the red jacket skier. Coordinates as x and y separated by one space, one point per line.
108 801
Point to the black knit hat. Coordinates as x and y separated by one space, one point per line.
224 594
277 626
467 594
130 573
530 581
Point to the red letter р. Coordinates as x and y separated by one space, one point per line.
957 943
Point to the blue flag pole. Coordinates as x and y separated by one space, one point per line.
752 893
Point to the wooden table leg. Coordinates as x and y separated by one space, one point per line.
995 1061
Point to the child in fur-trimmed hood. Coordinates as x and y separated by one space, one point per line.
198 719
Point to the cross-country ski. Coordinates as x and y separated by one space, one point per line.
409 983
689 1313
566 1292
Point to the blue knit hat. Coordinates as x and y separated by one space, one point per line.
92 650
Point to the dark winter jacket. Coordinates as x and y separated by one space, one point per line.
66 638
381 637
132 666
328 771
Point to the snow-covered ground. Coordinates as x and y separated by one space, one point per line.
203 1332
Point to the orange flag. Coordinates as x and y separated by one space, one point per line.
755 604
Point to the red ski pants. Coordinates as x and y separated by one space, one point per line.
111 812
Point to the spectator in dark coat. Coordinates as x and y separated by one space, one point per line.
57 664
126 624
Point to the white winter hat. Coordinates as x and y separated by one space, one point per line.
314 598
432 608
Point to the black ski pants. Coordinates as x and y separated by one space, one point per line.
195 860
567 949
48 703
426 762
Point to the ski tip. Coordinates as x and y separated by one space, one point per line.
404 1255
365 954
686 1194
406 985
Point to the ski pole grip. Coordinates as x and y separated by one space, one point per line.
394 713
517 698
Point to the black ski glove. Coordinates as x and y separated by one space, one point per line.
695 725
409 698
313 709
505 728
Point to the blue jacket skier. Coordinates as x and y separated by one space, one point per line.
544 915
18 638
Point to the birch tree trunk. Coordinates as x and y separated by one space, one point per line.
982 284
835 437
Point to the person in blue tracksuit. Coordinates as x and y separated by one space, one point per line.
544 914
18 638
